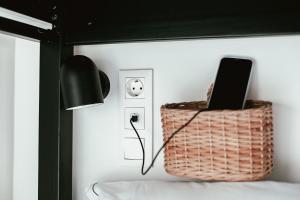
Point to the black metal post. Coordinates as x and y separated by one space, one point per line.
55 126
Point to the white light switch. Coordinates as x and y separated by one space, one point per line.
132 149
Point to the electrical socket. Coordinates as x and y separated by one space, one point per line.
140 112
135 88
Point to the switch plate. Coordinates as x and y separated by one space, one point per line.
141 104
131 145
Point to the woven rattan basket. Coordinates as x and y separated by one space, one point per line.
227 145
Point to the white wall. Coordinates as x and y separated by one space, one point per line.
26 120
6 115
183 71
19 103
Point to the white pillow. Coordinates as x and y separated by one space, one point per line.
164 190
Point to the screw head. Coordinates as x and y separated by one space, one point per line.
54 17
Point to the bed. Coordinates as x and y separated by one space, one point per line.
167 190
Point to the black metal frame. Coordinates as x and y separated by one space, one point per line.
24 30
55 124
207 28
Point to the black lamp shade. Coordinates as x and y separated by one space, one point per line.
81 84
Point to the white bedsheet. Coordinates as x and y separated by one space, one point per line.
164 190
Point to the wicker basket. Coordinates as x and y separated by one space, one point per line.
227 145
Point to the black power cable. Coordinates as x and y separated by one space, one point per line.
93 189
134 118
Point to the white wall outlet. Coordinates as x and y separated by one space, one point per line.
139 112
135 88
135 95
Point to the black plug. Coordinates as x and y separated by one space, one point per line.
134 118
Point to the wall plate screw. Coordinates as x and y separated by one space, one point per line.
54 17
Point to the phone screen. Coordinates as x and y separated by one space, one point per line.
231 84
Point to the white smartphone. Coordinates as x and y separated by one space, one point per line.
231 84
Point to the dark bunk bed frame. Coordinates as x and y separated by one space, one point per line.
110 21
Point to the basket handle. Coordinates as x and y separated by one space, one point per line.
209 92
